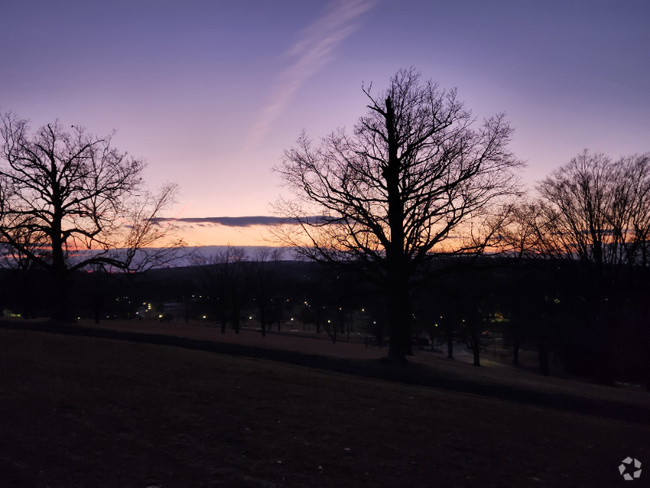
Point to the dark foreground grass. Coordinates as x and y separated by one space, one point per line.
88 412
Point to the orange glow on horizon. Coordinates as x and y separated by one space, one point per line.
221 235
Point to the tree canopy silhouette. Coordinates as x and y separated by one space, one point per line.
70 199
416 178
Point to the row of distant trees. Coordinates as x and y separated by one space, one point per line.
531 303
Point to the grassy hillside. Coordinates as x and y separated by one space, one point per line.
80 411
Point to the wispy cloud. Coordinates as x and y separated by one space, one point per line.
313 50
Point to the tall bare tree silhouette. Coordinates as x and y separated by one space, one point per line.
73 192
415 178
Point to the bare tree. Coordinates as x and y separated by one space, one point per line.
595 214
579 202
81 199
267 278
415 179
592 210
225 276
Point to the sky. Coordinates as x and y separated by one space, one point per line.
211 93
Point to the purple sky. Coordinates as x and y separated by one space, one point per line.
210 92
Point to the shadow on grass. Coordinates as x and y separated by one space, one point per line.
409 373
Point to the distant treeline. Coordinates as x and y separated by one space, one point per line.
544 305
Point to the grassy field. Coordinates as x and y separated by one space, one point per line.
89 412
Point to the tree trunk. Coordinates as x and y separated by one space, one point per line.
399 325
26 292
515 353
516 344
476 350
399 317
61 310
222 310
263 321
543 352
647 356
